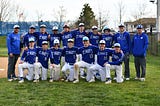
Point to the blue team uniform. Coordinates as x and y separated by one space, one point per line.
27 37
41 37
78 36
108 39
29 55
65 37
88 53
94 38
70 54
55 56
103 56
43 57
53 37
117 58
124 40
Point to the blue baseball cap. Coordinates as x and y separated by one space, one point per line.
139 26
85 38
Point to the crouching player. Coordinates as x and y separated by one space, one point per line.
27 61
87 53
55 59
70 55
117 59
43 55
102 58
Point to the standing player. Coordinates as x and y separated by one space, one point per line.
42 35
55 59
27 61
123 38
117 59
13 45
108 37
87 53
94 36
43 55
66 34
102 58
139 47
30 34
70 55
54 35
78 36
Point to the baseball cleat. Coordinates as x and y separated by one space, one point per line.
92 80
114 78
83 77
10 80
21 81
76 81
15 78
136 78
36 80
142 79
51 80
108 82
127 79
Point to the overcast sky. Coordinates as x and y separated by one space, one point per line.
74 7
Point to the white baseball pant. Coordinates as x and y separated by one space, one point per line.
66 67
30 68
55 72
81 64
118 69
37 67
93 69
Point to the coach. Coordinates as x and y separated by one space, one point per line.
13 45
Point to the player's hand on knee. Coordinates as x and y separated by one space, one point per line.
21 62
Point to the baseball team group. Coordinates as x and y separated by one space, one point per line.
74 54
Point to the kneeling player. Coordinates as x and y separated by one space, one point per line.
27 61
43 55
55 59
102 58
117 59
87 53
70 55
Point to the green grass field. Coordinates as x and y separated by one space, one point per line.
130 93
3 48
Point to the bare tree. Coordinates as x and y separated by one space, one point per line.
5 10
20 13
121 10
39 15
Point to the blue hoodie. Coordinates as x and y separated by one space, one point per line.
140 45
13 43
124 40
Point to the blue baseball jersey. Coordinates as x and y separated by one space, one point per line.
65 37
94 38
88 53
117 58
70 54
27 37
41 37
13 43
29 55
108 39
43 57
53 37
78 36
103 56
55 56
124 40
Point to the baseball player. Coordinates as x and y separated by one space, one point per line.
139 47
27 61
102 57
30 34
123 38
87 53
108 37
116 63
55 59
70 55
78 36
43 55
54 35
94 36
66 34
42 35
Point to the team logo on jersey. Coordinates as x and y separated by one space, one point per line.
87 51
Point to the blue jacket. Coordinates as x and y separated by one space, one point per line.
13 43
140 45
124 40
